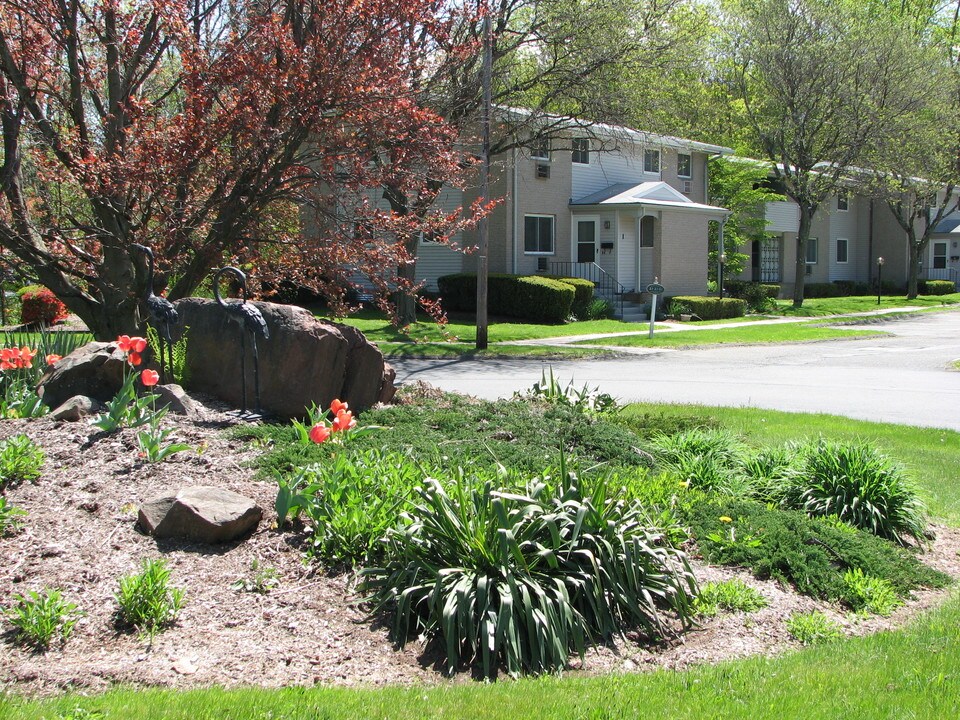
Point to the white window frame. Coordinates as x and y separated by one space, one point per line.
540 145
651 154
813 243
553 235
843 201
846 251
689 158
934 256
582 151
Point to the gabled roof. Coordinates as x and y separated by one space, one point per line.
653 193
950 225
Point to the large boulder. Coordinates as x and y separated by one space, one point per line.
305 360
200 514
94 370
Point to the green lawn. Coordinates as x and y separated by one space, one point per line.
436 350
931 456
787 332
463 328
912 673
813 307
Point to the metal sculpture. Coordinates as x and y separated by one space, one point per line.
251 323
162 314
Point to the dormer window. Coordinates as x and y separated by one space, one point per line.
684 165
651 161
581 151
540 149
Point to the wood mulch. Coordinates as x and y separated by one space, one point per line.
80 536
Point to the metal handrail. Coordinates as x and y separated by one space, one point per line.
604 283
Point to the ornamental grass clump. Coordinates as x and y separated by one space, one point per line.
521 580
710 460
146 601
860 486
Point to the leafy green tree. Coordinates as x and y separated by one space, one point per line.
818 81
740 186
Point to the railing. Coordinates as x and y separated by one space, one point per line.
939 274
605 285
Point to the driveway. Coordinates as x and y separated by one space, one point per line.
900 378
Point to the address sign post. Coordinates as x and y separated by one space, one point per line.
655 289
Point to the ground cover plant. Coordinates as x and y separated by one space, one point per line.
728 596
41 617
146 601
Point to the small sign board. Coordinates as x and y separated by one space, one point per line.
655 288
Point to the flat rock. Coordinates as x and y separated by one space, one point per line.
77 408
200 514
174 398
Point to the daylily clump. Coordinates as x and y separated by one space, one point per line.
343 420
16 358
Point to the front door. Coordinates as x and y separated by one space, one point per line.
586 241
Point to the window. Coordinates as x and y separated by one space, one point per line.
538 234
651 161
540 149
841 250
812 251
581 151
684 165
843 202
939 256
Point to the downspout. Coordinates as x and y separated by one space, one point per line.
513 208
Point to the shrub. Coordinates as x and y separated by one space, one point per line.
40 305
350 502
730 596
39 618
768 470
20 460
146 601
531 297
936 287
757 298
866 593
582 295
523 579
813 628
860 486
822 290
710 308
810 553
599 309
708 460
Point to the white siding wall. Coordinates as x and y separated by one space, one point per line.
782 216
843 224
608 261
433 259
608 168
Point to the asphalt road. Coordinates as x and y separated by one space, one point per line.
900 378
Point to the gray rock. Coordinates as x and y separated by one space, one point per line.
77 408
200 514
174 398
305 361
95 370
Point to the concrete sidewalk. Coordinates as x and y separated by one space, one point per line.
662 327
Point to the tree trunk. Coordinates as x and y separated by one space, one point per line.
914 251
803 236
404 302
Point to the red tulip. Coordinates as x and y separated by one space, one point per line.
123 342
53 359
336 407
319 433
134 358
149 377
344 421
138 344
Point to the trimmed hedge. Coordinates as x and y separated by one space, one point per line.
530 297
582 295
936 287
740 288
709 308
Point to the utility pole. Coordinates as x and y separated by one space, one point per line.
483 227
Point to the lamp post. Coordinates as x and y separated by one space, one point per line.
879 277
721 261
